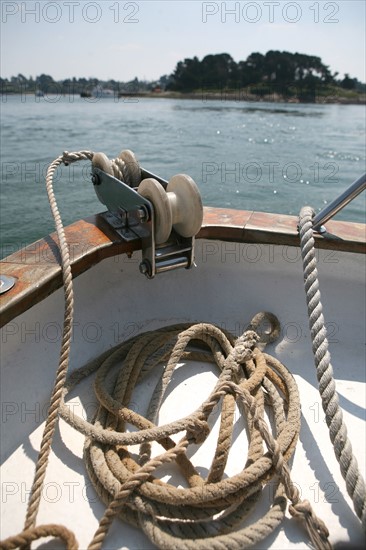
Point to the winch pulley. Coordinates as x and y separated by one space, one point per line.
164 215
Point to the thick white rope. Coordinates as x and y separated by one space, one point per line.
355 483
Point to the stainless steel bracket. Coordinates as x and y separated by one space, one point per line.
132 217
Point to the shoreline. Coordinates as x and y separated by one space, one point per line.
243 97
237 97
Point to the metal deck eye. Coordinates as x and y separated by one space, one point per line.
6 283
160 220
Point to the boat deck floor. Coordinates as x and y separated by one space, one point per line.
113 302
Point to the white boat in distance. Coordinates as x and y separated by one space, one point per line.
99 92
184 433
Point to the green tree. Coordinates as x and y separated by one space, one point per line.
348 83
187 76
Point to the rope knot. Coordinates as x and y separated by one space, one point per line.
66 158
250 337
301 509
198 431
244 346
316 528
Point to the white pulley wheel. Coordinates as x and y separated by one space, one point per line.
153 191
101 161
133 167
185 200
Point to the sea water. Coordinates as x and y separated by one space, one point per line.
273 157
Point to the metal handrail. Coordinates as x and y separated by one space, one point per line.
337 204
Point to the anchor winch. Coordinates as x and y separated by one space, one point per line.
166 216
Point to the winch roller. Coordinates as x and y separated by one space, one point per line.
125 167
177 207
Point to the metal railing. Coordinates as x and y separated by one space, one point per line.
337 204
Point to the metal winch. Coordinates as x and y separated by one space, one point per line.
164 215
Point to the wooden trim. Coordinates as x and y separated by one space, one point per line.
37 266
267 228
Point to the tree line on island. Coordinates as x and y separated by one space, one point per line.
288 75
284 73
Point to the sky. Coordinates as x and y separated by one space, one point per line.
122 40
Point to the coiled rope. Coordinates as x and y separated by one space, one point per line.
355 483
209 512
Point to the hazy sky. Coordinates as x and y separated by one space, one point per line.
122 40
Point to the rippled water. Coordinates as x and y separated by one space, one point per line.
261 156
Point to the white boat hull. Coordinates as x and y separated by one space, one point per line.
233 281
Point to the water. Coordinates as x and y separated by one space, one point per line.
253 156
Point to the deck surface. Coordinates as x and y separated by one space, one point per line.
234 279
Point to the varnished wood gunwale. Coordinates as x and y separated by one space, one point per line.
37 266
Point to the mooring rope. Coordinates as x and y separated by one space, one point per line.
209 511
52 415
355 483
